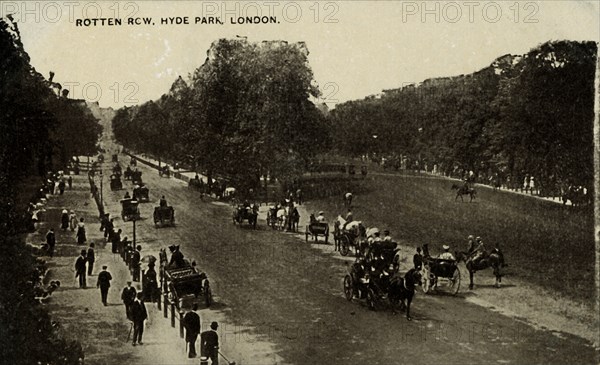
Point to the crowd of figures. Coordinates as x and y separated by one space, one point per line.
544 186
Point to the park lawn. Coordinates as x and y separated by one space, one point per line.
544 243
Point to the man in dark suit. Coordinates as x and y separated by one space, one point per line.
191 322
91 258
51 241
209 344
128 297
103 283
80 269
135 263
138 316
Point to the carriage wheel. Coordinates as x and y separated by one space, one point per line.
348 289
455 281
344 246
372 299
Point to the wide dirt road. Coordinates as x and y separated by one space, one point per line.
278 289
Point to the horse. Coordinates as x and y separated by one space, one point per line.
402 290
293 220
464 190
485 261
577 195
282 216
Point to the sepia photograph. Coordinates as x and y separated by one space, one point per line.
299 182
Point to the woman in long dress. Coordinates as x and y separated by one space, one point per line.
81 232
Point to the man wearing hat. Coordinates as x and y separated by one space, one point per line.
386 236
479 251
80 269
321 217
192 324
103 283
471 243
138 316
176 257
446 255
135 263
128 296
209 344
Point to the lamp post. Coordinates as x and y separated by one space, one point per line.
101 178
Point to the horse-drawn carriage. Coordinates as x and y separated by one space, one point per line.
129 210
164 215
184 284
282 216
246 212
316 229
352 236
115 182
127 174
375 279
140 193
437 271
196 183
117 170
136 177
164 171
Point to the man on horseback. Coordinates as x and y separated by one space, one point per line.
349 218
471 243
479 252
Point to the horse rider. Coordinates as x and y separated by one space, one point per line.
163 202
471 243
386 236
321 217
446 255
479 251
349 218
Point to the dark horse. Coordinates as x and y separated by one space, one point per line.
463 190
293 220
402 290
492 260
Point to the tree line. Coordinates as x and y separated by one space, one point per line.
246 112
522 115
40 130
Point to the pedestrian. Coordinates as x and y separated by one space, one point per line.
531 185
72 220
80 269
70 182
81 232
61 186
135 263
150 283
64 220
51 241
209 344
418 259
103 283
109 227
192 325
115 239
91 258
128 296
138 316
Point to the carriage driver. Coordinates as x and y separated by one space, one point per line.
163 202
446 255
321 217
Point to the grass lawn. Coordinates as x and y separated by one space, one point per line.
545 243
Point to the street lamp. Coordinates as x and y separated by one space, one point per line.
101 178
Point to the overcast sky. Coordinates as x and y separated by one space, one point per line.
356 48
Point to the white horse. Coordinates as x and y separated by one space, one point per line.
282 217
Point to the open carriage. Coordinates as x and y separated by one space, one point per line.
352 236
439 273
136 177
164 216
185 285
115 182
248 213
129 210
316 229
140 193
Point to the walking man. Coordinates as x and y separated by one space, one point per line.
103 283
80 269
418 259
51 241
91 258
192 324
135 263
128 297
138 316
209 344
